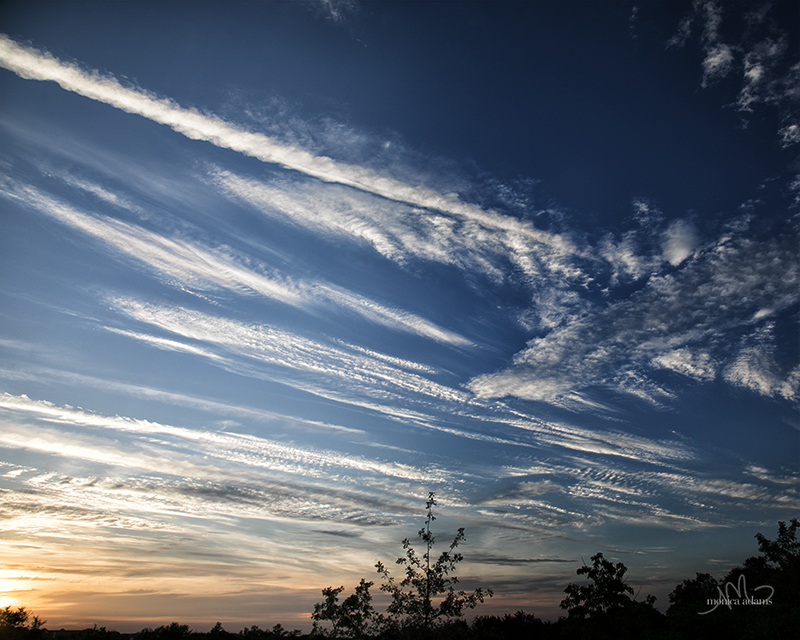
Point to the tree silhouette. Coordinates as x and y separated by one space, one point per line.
255 633
19 623
774 576
426 595
353 618
520 626
784 551
172 631
607 591
605 609
691 596
420 601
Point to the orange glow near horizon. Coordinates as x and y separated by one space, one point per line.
8 601
14 588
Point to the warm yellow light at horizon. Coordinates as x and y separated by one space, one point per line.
8 601
12 585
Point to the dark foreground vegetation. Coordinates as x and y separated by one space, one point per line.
759 599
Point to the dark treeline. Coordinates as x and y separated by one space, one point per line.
758 599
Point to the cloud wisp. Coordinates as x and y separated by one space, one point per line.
34 64
448 231
188 265
288 357
413 221
205 458
676 322
759 52
401 231
153 469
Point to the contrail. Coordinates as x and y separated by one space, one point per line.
34 64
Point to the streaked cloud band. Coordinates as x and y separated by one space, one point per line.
34 64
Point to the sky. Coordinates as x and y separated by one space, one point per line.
270 272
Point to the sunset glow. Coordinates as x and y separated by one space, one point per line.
273 271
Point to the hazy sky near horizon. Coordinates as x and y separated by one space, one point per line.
272 271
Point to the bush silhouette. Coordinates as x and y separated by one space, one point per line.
19 623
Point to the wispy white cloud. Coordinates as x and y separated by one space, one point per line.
642 251
721 292
718 63
759 54
615 443
189 265
289 357
191 454
205 404
697 365
410 221
626 258
103 194
760 83
401 231
34 64
680 240
719 57
674 497
783 479
754 367
552 269
338 10
166 343
186 264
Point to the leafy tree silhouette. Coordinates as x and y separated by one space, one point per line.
19 623
278 631
688 601
218 632
785 550
422 600
604 608
426 594
607 591
775 574
173 631
520 626
353 618
692 596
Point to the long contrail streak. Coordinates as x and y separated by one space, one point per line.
34 64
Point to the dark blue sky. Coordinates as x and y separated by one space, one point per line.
586 105
272 271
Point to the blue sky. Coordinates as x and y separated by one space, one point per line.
272 271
